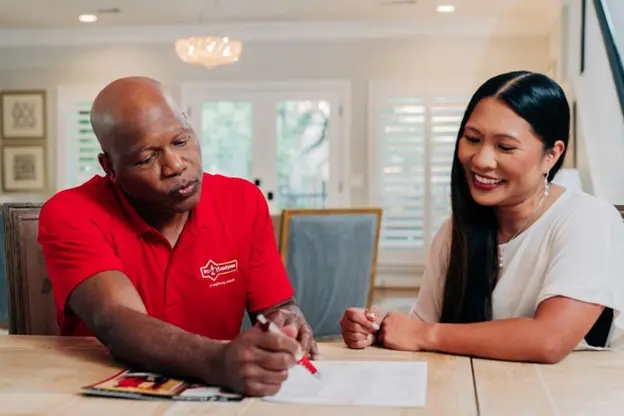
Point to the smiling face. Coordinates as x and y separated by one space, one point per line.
504 161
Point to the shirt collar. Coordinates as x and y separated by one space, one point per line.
136 222
196 220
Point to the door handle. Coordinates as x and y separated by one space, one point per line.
257 182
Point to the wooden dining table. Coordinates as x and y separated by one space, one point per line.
43 376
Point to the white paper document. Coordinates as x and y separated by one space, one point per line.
366 383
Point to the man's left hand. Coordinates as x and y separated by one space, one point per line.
295 325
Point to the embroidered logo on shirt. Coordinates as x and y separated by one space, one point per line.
213 270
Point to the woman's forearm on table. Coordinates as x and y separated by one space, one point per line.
514 339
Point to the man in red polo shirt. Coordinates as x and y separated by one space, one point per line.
159 261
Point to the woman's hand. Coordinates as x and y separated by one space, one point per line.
359 326
400 332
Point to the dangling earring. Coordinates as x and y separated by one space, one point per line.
546 185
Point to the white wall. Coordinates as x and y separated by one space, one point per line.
441 62
557 57
600 122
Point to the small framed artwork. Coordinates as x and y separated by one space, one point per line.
23 114
23 168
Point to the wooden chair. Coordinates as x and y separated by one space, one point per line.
276 220
331 257
4 298
31 299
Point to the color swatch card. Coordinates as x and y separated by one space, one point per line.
140 385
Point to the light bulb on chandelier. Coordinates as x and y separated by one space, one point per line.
208 51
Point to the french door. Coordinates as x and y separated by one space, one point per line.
285 137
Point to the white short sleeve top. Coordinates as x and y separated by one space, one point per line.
575 249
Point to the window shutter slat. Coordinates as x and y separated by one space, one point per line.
401 146
415 140
85 142
446 116
82 147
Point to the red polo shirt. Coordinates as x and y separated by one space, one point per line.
225 260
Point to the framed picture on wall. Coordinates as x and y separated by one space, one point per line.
23 168
23 114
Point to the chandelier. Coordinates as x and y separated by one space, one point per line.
208 51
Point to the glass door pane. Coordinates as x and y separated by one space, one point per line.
284 137
226 137
303 153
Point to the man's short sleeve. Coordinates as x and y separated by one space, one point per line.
74 247
268 281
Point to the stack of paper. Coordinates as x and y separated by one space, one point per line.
367 383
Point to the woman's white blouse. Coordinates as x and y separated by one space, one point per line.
575 249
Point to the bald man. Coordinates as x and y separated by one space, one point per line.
159 260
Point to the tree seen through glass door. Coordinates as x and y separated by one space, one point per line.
302 153
226 137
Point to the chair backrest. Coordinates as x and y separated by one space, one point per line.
4 297
330 256
276 220
31 299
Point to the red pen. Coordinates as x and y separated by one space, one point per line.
300 357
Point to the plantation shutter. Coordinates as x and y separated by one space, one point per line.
401 174
86 145
76 138
446 115
413 142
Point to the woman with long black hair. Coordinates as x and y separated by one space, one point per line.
524 269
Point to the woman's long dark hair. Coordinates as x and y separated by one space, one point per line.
473 262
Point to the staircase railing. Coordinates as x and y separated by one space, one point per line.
615 59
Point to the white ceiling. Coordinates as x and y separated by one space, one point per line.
537 15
